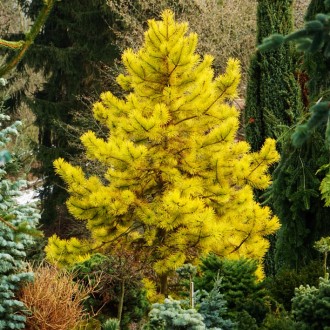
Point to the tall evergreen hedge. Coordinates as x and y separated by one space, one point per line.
296 195
273 98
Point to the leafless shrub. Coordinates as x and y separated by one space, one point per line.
53 299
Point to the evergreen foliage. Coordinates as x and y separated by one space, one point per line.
213 306
295 191
296 200
90 324
177 184
314 40
317 63
282 285
273 94
17 224
75 41
111 324
311 307
247 299
279 321
170 315
323 246
273 98
325 188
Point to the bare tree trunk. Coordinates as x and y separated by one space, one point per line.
163 285
121 301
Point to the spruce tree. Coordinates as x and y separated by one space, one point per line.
213 307
17 224
170 315
176 182
297 202
72 48
295 190
245 295
310 306
272 100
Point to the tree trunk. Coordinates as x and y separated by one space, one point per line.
121 300
163 285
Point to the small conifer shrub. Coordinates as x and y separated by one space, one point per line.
177 184
111 324
213 306
170 315
311 307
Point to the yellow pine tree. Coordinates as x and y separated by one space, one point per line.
177 183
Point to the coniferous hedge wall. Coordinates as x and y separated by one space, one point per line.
273 97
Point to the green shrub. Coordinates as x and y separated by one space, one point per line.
282 285
240 286
278 322
107 270
90 324
213 306
170 315
245 321
311 306
111 324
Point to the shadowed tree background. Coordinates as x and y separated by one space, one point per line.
296 197
273 100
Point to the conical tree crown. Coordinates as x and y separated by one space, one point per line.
176 183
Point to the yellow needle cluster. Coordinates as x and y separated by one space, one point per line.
177 183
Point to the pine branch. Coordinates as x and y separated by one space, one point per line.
320 114
23 46
8 224
11 44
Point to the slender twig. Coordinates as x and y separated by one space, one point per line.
22 46
8 224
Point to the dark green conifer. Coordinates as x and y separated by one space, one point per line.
273 99
71 49
246 296
310 306
295 190
213 306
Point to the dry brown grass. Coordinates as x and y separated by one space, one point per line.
53 299
225 30
299 12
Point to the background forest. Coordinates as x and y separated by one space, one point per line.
164 165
